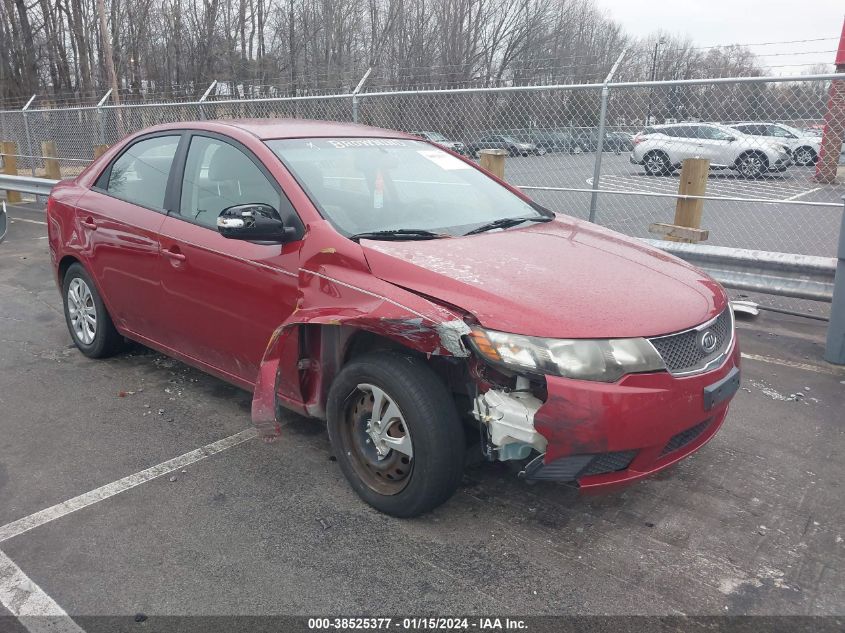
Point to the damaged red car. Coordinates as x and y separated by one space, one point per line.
417 304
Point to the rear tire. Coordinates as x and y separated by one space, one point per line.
88 321
656 164
417 414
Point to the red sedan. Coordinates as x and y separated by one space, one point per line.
394 289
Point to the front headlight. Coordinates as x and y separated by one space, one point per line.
604 360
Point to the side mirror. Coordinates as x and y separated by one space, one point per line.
731 139
256 221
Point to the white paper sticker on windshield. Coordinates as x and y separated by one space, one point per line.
443 160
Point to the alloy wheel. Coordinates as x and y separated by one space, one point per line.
82 311
803 157
751 166
655 164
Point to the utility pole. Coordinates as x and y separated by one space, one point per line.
653 78
834 123
105 42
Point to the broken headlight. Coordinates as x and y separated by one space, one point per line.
605 360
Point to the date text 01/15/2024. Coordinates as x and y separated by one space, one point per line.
417 624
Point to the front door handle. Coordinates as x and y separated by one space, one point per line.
174 254
89 224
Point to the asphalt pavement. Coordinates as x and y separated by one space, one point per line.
751 524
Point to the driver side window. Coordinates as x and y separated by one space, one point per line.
219 175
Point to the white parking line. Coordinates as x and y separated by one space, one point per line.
805 193
26 220
35 610
86 499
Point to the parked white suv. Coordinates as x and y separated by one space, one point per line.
803 147
662 148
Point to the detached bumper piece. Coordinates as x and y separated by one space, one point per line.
576 466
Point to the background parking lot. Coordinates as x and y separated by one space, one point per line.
750 524
785 228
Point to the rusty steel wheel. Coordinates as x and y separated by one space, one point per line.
378 438
396 433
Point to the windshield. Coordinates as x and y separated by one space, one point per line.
363 185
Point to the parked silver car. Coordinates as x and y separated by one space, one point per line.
660 149
803 147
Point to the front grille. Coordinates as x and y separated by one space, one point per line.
684 437
683 352
608 463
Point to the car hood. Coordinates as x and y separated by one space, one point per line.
561 279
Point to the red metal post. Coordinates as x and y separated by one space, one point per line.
834 122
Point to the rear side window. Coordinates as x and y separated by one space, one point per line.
139 175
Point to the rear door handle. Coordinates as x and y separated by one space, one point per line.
89 224
174 255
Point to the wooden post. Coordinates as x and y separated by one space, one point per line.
493 160
99 150
687 225
10 167
51 165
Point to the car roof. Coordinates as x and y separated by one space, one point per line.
665 125
266 129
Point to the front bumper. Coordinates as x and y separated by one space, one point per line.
607 435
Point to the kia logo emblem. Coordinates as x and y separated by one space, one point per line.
708 341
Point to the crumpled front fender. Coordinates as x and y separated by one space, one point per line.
333 296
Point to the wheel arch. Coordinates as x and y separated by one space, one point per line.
306 352
65 263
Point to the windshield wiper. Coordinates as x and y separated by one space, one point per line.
398 234
505 223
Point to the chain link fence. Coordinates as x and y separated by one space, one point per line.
612 152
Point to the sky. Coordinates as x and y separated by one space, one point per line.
715 22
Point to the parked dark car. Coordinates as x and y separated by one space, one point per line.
550 140
614 141
514 146
417 304
437 137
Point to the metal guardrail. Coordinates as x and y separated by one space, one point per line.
781 274
27 184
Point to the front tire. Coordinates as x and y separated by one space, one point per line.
87 319
396 433
804 156
752 165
